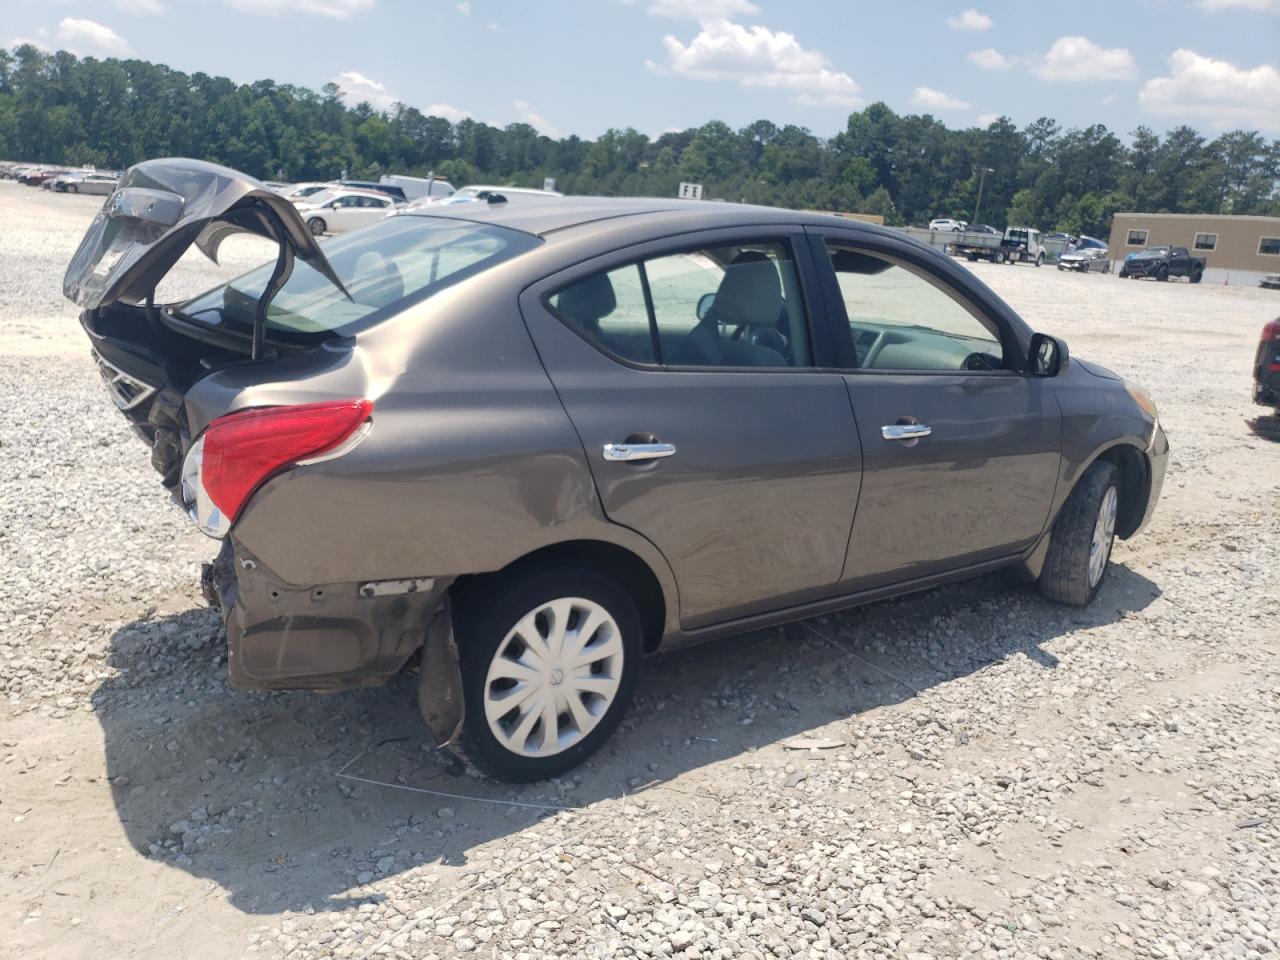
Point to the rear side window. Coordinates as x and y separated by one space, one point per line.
400 260
736 305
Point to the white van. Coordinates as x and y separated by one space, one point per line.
419 188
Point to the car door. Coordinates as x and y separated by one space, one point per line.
1179 261
688 368
961 450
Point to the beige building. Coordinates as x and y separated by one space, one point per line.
1237 250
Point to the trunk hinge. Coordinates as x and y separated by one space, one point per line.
283 268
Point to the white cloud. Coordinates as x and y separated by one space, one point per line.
970 20
534 119
1079 59
758 57
338 9
357 88
1262 6
989 59
1215 91
494 26
23 41
987 119
445 111
704 11
464 8
148 7
90 37
929 99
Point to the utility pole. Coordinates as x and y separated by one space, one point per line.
981 180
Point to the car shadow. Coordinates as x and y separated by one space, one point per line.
282 799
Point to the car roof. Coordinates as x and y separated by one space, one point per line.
543 215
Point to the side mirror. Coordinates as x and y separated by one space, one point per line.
1048 355
704 305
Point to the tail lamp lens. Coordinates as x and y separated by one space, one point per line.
237 453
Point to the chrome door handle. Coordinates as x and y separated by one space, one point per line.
633 452
905 431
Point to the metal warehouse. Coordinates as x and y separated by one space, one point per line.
1237 250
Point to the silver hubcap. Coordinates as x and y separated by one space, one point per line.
554 676
1104 531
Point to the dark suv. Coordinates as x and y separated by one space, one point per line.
1163 263
521 444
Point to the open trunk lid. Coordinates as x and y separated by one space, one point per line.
164 206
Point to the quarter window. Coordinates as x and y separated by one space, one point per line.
1206 241
1137 238
1269 246
902 320
737 305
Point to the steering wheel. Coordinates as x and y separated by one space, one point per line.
977 361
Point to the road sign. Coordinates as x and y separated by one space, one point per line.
549 183
690 191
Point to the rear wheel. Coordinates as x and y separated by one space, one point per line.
1082 537
316 226
549 665
1196 275
1039 260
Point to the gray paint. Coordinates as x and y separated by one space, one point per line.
782 501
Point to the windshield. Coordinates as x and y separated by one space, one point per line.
1152 252
400 260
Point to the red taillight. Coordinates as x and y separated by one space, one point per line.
241 450
1271 330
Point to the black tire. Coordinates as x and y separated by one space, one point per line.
317 226
1196 275
482 623
72 188
1065 576
1162 274
971 257
1040 260
1085 266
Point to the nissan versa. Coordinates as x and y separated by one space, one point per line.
522 442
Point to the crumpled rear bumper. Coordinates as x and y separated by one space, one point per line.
319 637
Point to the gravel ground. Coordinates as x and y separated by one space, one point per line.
968 772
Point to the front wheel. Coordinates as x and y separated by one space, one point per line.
1162 274
1082 537
549 665
316 226
1196 276
72 188
1085 266
1040 260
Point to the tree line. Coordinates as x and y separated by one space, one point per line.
57 108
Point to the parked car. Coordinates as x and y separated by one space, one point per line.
1086 259
344 210
1014 245
1266 380
947 224
98 184
524 445
36 177
299 192
390 189
984 228
1163 262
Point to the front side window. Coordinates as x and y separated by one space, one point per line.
900 319
736 305
1206 241
1136 238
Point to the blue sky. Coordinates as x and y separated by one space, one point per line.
582 66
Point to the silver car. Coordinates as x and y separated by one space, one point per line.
1086 260
100 184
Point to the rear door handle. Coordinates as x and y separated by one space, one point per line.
905 431
635 452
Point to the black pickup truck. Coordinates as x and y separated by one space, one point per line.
1163 263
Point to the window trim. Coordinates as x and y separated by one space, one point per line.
1007 338
789 234
1263 253
1128 237
1195 242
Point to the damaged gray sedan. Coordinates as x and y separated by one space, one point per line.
520 443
